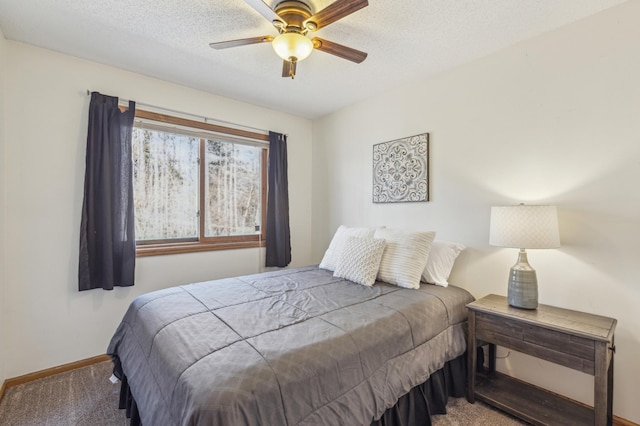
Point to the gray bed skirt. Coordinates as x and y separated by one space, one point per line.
429 398
414 408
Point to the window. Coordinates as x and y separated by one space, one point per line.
197 186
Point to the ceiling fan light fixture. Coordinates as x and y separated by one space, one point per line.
292 45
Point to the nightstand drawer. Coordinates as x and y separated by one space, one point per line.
565 349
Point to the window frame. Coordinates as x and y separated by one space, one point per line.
203 243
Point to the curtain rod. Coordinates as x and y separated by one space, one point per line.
206 119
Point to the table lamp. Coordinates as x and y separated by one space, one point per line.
524 227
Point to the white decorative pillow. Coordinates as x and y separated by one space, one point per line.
405 256
360 260
334 252
440 262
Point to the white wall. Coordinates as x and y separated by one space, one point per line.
49 322
3 304
552 120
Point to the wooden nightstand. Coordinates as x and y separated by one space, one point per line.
577 340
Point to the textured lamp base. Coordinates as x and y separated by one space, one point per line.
523 284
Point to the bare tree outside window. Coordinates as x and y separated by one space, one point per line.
195 193
165 185
232 188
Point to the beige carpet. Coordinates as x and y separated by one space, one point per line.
461 413
80 397
86 397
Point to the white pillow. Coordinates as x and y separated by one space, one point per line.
360 260
405 256
440 262
334 252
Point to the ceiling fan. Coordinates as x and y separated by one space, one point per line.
294 19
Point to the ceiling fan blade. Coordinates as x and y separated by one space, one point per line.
336 10
240 42
263 9
336 49
289 69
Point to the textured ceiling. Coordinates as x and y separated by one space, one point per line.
169 39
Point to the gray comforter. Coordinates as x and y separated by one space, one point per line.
292 347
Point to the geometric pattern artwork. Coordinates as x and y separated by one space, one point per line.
401 170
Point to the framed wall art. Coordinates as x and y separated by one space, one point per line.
401 170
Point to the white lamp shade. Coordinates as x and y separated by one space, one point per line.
527 227
292 45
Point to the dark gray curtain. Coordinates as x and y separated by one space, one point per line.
278 251
107 240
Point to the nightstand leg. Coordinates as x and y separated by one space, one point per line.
471 357
492 358
602 381
611 353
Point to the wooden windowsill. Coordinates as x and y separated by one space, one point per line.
178 248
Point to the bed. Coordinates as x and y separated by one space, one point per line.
290 347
